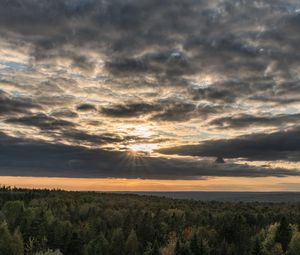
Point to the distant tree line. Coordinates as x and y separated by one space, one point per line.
44 222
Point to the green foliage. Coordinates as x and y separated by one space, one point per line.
10 244
277 249
13 211
43 222
117 242
269 240
155 250
132 244
194 245
284 234
257 247
294 246
97 246
49 252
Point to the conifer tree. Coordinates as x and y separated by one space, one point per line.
284 234
132 244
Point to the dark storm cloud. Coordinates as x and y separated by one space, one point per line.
247 120
175 111
126 65
253 89
23 157
84 63
120 29
129 110
170 109
92 139
230 91
169 39
81 137
12 105
169 63
281 145
223 92
64 113
86 107
213 94
281 93
55 100
41 121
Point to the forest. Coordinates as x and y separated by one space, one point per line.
56 222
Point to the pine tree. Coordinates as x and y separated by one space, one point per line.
155 249
194 245
294 246
117 242
98 246
132 244
177 248
203 248
284 234
75 245
257 247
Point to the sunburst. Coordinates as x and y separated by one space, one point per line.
143 147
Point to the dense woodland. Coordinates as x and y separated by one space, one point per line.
40 222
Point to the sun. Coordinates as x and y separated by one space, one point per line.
142 131
143 147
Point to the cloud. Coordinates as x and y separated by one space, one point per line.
169 109
185 71
92 139
64 113
175 111
129 110
25 157
86 107
130 28
41 121
281 145
9 104
247 120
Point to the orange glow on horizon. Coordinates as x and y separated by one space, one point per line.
110 184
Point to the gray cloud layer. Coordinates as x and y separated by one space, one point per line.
87 78
281 145
36 158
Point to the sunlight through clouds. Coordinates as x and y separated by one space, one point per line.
180 83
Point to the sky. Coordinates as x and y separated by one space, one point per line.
150 94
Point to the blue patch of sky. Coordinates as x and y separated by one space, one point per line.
15 65
101 78
292 110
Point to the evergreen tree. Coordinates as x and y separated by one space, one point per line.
75 245
257 247
185 249
294 246
194 245
145 230
155 249
284 234
117 242
224 248
98 246
177 248
9 245
148 250
132 244
203 247
17 243
49 252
